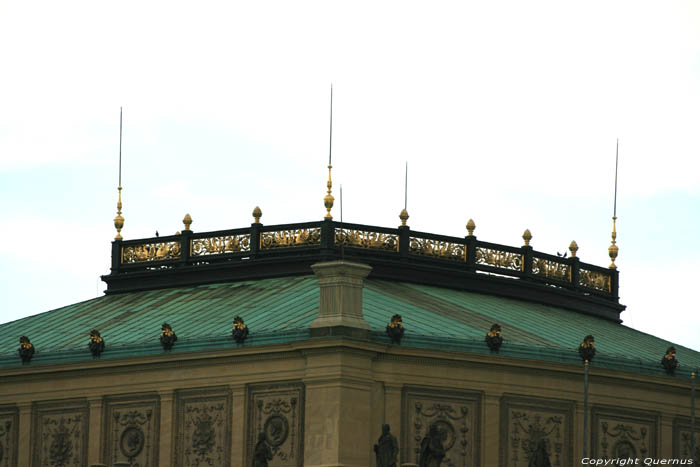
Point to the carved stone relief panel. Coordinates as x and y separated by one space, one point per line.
60 434
534 429
681 439
278 411
454 415
203 428
623 434
9 425
131 430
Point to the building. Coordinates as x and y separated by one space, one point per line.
343 328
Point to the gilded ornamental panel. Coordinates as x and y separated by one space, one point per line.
290 238
437 248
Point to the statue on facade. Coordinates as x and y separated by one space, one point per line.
431 450
263 452
386 449
539 457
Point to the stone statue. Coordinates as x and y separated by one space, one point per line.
387 448
263 452
539 457
431 450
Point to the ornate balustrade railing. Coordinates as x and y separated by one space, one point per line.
326 240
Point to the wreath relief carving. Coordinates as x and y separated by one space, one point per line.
450 418
276 411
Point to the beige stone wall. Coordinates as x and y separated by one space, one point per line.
322 403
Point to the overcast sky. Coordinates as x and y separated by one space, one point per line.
507 113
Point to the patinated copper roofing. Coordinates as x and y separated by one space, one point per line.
279 310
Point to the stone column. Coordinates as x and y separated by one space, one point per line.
95 432
340 306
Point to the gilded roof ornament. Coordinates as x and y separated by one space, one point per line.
404 217
257 214
187 220
328 199
25 350
470 227
613 249
573 248
527 236
119 220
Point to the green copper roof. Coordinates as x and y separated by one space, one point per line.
281 310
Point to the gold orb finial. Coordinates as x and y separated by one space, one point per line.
328 199
404 217
613 249
187 221
257 214
119 220
470 227
527 236
573 248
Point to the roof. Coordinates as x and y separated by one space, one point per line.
280 310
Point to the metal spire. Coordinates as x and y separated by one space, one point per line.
613 249
403 215
328 199
119 220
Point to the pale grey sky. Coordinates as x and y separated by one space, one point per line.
507 112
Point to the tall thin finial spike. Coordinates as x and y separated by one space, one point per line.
617 152
330 143
119 220
613 249
328 199
120 146
341 203
405 189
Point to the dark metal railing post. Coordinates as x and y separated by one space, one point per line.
327 238
255 234
575 272
185 246
692 415
470 247
404 240
527 261
585 409
614 282
116 256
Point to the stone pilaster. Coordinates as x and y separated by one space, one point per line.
95 432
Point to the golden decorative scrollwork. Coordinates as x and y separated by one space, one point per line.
150 252
365 239
499 259
220 245
549 268
438 248
290 238
594 280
